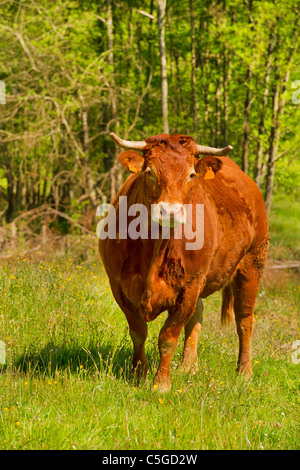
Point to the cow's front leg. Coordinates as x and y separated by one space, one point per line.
168 339
192 330
167 342
138 330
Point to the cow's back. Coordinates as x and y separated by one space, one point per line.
236 208
252 200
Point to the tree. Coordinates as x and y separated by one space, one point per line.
76 70
161 14
193 74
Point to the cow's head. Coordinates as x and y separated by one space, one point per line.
170 165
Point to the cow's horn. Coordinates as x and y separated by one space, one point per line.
128 144
203 150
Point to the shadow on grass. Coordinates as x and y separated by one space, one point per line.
77 359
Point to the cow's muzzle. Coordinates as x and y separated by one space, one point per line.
169 214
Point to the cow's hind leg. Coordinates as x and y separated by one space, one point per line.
192 330
245 288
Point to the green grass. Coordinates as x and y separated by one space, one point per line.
66 383
285 229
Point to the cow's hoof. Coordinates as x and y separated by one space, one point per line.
161 386
244 371
189 366
139 373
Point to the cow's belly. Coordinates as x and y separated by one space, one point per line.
214 284
223 265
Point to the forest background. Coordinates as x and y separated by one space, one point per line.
72 71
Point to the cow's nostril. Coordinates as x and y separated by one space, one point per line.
172 212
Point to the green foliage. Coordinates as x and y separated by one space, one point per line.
62 65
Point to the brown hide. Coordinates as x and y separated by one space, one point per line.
149 276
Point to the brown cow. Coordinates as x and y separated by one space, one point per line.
149 276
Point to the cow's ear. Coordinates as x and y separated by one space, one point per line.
132 161
207 167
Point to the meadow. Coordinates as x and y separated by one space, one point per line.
67 385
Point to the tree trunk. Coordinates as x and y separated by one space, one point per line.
9 174
89 181
246 129
161 4
149 67
278 109
193 74
116 170
218 111
174 53
259 173
227 74
208 133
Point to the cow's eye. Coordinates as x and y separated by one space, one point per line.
193 175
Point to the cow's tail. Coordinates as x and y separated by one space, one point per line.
227 315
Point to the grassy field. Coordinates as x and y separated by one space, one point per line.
66 382
285 229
